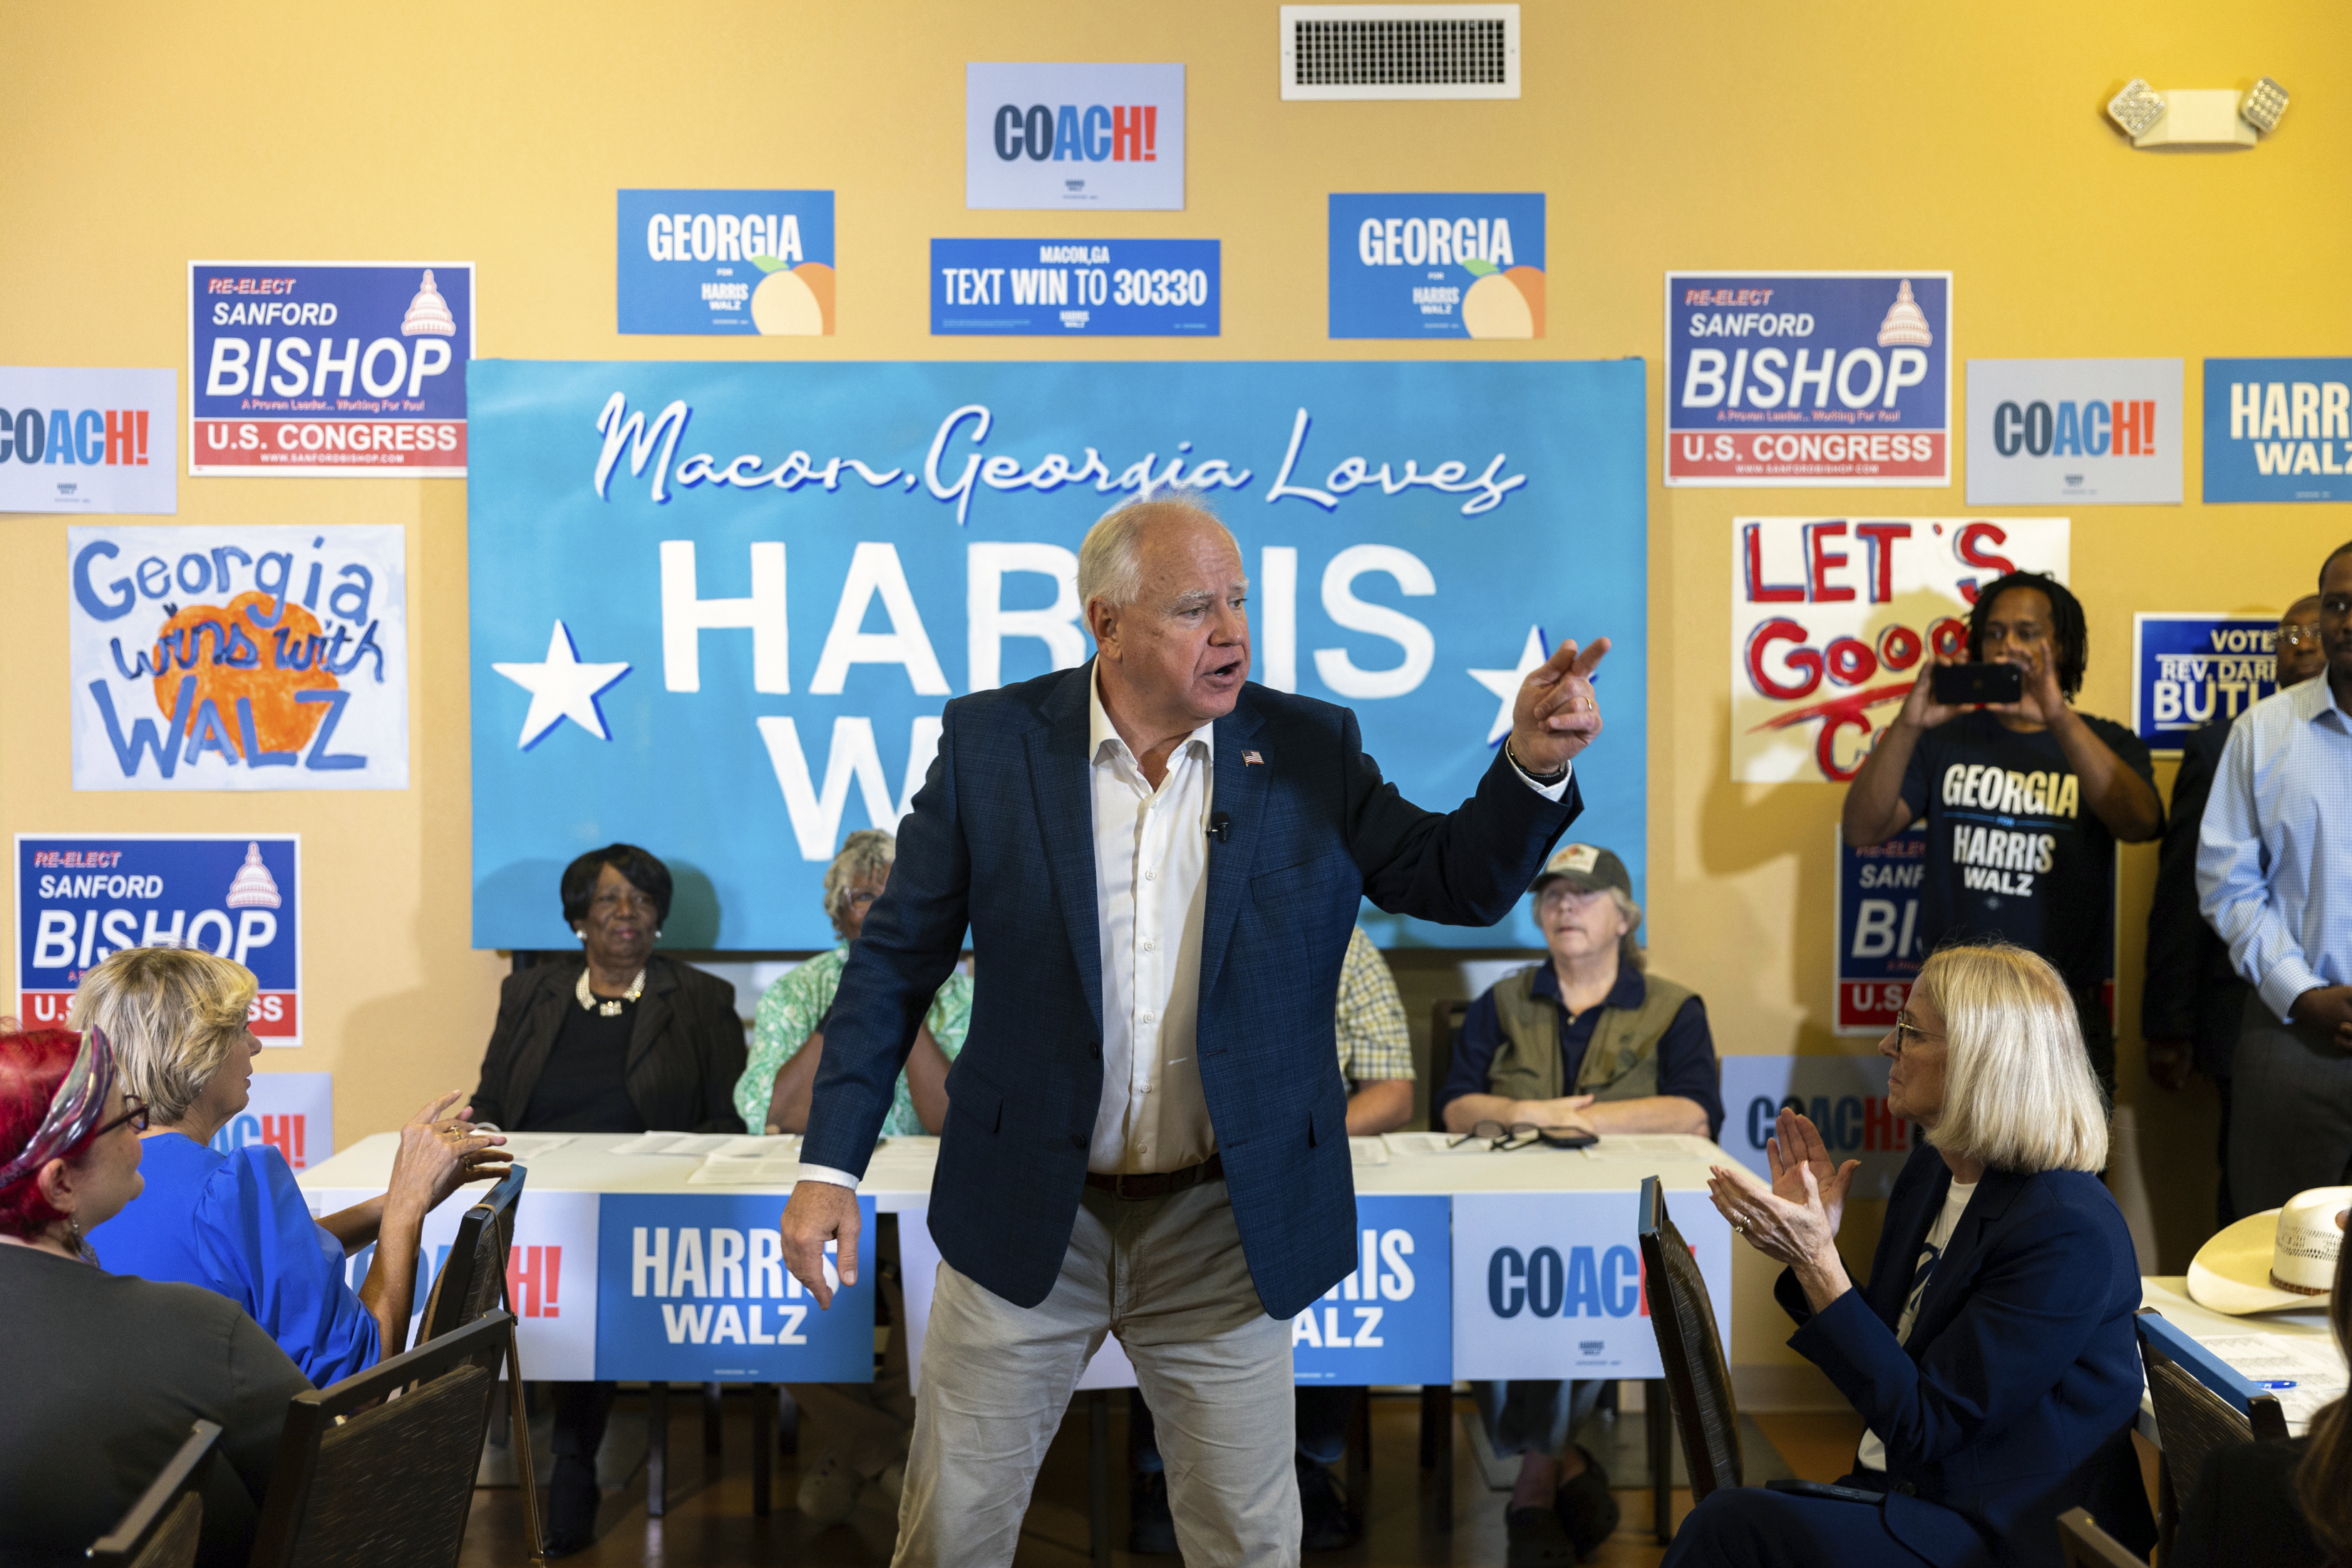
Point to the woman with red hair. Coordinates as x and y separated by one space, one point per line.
105 1374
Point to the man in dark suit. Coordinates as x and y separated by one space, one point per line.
2192 1002
1147 1132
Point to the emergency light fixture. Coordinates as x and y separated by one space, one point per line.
2197 117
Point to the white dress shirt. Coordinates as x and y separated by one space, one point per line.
2273 855
1152 863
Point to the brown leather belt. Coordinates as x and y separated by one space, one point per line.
1159 1184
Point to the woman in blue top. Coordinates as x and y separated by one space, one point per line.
236 1223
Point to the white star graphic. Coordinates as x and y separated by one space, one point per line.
1506 683
561 688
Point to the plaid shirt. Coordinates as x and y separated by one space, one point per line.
1373 1043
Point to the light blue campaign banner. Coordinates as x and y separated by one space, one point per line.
1074 287
1552 1284
716 609
1389 1322
694 1289
2278 429
726 262
2188 669
1454 266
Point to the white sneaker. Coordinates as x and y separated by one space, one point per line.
829 1490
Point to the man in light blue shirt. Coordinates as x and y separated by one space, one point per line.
2274 878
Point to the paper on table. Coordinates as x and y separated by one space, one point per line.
760 1143
746 1171
1412 1144
1367 1152
2311 1364
1651 1146
524 1147
650 1144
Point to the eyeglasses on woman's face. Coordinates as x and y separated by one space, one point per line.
135 1118
1905 1031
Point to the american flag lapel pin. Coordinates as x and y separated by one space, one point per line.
1249 758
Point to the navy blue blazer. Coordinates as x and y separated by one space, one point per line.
2013 1399
1001 839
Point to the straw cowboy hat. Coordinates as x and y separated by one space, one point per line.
2279 1258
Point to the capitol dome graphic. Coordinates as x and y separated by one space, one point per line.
428 313
1905 324
255 888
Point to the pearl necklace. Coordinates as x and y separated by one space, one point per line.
609 1008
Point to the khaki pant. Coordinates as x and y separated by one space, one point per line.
1167 1276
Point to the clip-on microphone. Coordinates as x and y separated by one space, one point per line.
1221 827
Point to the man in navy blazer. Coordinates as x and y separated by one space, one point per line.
1160 866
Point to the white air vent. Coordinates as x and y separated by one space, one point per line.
1400 51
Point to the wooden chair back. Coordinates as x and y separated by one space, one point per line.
2085 1545
160 1529
1690 1347
392 1480
473 1281
1444 1022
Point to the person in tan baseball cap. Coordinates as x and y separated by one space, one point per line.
1586 1041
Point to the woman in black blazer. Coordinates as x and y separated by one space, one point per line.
617 1040
1991 1351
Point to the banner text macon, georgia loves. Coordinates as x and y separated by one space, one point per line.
651 447
657 444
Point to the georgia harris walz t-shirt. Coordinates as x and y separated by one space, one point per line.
2014 851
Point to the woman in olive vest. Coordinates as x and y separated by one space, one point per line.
1585 1040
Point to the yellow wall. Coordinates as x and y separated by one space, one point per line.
1833 134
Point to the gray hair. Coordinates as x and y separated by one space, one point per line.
865 856
1110 558
1630 952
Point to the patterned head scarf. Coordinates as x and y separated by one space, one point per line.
75 1110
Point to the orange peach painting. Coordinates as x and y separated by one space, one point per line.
244 651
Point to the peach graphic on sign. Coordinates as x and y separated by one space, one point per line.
244 651
1503 304
793 302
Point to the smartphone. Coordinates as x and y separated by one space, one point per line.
1957 685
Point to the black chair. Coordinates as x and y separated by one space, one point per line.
472 1283
379 1468
161 1529
2192 1420
1690 1347
474 1279
2085 1545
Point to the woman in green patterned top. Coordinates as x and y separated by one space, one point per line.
787 1037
